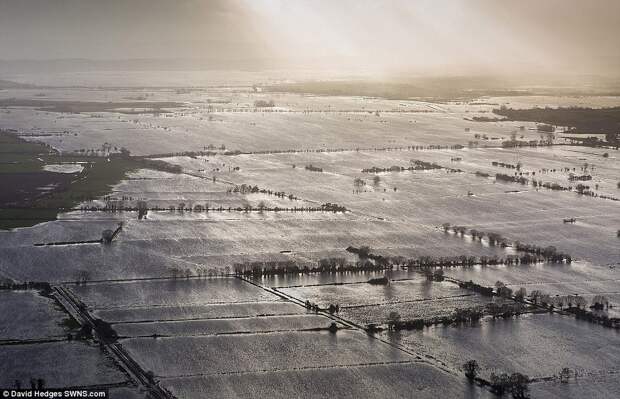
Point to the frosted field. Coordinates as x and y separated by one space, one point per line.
536 345
61 364
28 315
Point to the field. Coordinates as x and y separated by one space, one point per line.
83 365
377 381
159 292
26 315
34 345
224 328
226 185
245 324
536 345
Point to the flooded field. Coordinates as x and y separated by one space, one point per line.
536 345
231 249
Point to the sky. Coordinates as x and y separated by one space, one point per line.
453 36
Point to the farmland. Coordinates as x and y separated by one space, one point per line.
282 251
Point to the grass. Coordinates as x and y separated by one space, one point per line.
583 120
18 156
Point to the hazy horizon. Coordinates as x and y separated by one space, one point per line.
380 38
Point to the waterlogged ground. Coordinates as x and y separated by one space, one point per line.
82 365
538 345
34 344
368 381
230 337
230 330
27 315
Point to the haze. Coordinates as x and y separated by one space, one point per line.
553 36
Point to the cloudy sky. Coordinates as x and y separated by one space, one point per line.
416 35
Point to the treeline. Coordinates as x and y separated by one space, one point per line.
369 261
523 143
579 189
278 268
572 177
357 149
416 165
547 254
116 207
313 168
506 165
457 317
578 306
11 285
249 189
425 262
511 178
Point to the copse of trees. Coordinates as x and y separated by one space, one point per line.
511 179
416 166
105 331
506 165
313 168
515 384
264 104
394 321
379 281
482 290
471 369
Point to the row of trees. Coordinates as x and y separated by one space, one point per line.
249 189
182 207
273 268
459 316
10 285
547 254
578 306
506 165
431 147
580 189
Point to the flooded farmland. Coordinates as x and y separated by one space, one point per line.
289 199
